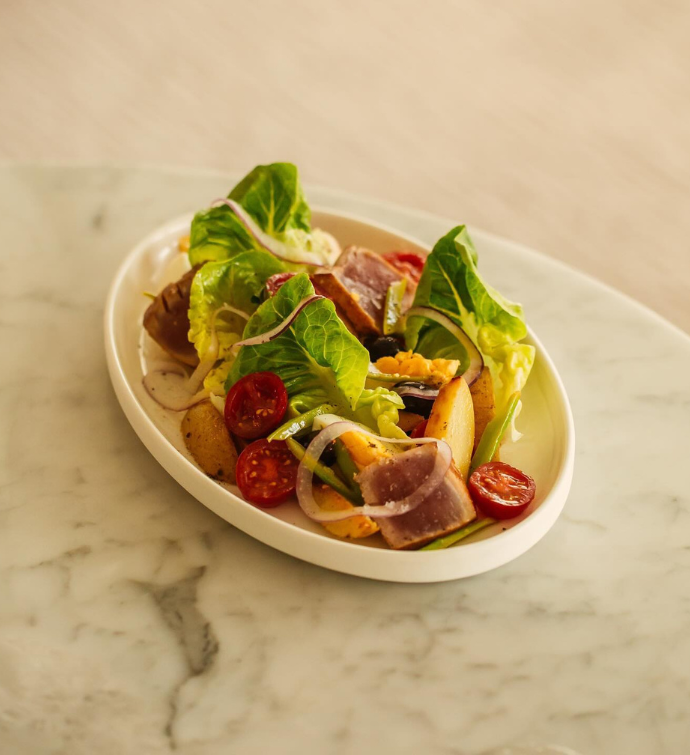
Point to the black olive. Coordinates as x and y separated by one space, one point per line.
385 346
328 455
417 404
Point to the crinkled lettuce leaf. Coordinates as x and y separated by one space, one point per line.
214 382
377 408
273 196
315 351
451 284
315 242
217 234
317 358
442 344
237 282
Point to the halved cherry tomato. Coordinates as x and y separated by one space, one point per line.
255 405
267 472
420 429
501 491
407 263
276 281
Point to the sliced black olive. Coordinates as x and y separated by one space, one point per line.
417 397
385 346
328 456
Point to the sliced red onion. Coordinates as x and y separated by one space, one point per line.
206 364
168 386
269 335
305 475
476 360
269 243
234 310
416 391
417 397
202 369
211 356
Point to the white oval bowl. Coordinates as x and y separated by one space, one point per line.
546 451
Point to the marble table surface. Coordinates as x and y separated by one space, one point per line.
133 620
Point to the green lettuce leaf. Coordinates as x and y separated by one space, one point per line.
451 284
317 358
316 352
436 340
237 282
273 196
377 408
217 234
214 382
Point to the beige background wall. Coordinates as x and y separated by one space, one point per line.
564 124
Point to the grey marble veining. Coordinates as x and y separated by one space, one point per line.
134 620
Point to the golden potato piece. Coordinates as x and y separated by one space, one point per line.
482 391
407 421
452 420
209 442
355 527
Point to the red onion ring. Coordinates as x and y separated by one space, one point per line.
201 370
305 476
168 386
234 310
206 364
211 356
476 361
269 335
403 390
270 244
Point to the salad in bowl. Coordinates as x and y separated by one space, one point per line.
373 389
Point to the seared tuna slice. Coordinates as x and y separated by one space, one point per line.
446 508
358 286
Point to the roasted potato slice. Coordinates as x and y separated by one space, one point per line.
167 319
354 528
407 421
482 391
209 441
452 420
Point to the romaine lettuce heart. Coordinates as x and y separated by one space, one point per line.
273 196
451 284
237 282
316 351
317 358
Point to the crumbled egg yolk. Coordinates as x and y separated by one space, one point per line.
415 365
